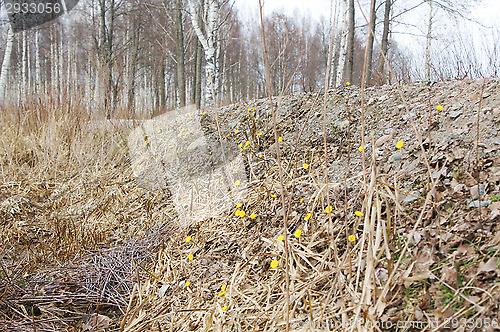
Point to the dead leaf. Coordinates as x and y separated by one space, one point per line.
489 266
424 261
450 276
95 323
494 213
496 239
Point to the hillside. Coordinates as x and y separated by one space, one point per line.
410 238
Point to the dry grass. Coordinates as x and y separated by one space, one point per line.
79 240
71 229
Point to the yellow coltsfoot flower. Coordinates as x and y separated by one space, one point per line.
298 233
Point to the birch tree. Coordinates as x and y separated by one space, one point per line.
24 66
343 46
6 64
208 42
38 67
179 47
350 45
371 37
428 45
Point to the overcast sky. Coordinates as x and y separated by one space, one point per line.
411 39
489 10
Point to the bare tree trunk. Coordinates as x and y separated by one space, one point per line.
60 75
29 69
208 44
6 64
70 88
371 36
343 46
53 67
107 17
161 87
132 68
385 38
195 67
350 39
428 45
197 87
179 52
38 67
24 66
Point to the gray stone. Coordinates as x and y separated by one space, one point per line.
406 117
435 175
409 199
455 114
396 156
475 204
477 191
163 290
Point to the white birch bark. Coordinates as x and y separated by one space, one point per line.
6 64
428 45
67 75
343 45
52 65
37 63
75 73
60 72
29 70
24 66
88 86
208 44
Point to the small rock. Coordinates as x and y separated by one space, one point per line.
475 204
435 175
396 156
455 114
163 290
409 199
382 140
344 124
406 117
477 191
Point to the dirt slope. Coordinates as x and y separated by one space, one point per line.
412 239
